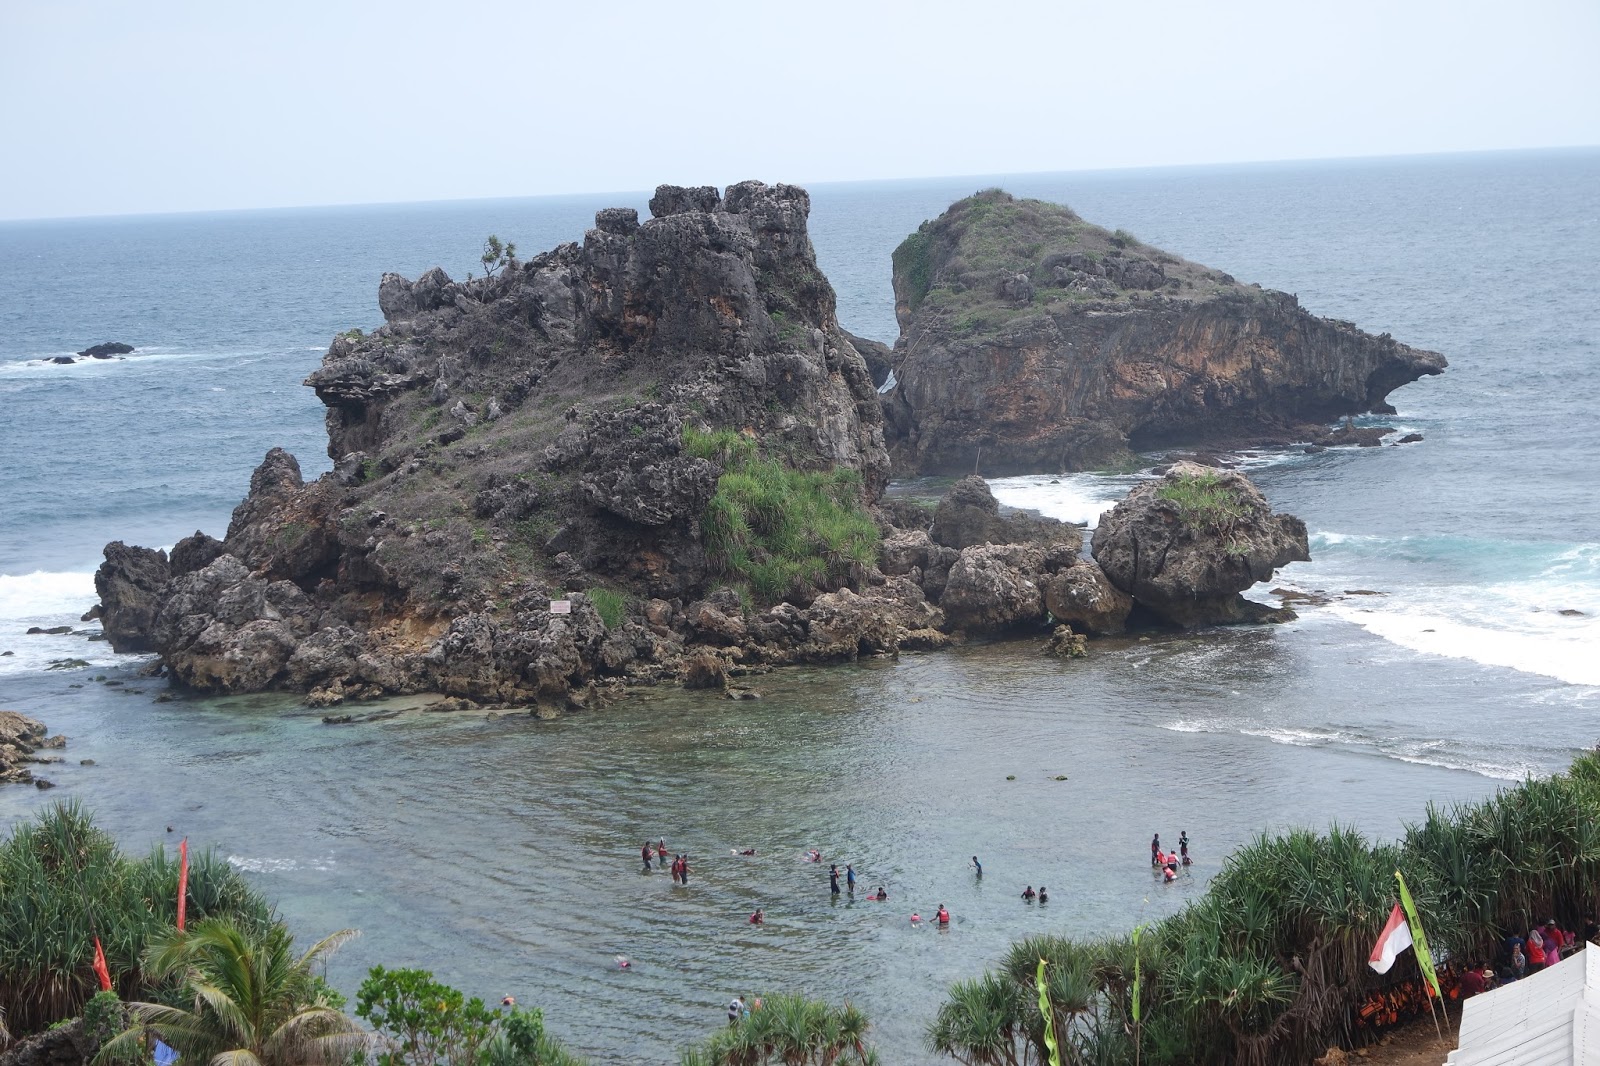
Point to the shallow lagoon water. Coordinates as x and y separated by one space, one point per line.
503 853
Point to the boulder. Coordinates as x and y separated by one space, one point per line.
1084 598
705 670
1066 644
20 738
131 584
1184 547
969 514
993 588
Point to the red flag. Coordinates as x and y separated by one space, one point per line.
183 880
100 968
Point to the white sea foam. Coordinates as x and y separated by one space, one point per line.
1068 497
1492 603
271 865
48 600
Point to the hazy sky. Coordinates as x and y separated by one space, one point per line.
120 107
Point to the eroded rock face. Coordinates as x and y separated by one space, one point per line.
1047 344
20 738
514 440
1185 546
130 584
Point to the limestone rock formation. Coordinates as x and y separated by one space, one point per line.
969 514
1032 341
1184 547
523 439
21 738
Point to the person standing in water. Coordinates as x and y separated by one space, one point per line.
977 866
1044 897
833 880
683 868
1155 850
1028 894
646 853
943 916
850 878
1183 845
677 877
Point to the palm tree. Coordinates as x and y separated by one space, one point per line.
255 1002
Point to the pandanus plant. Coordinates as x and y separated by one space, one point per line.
1269 965
63 882
790 1030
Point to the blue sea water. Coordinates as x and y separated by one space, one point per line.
1475 660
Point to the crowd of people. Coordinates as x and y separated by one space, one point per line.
1543 947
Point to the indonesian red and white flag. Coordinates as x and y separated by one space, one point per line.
1394 939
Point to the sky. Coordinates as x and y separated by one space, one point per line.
115 107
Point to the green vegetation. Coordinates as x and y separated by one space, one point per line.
1204 501
780 529
913 260
253 1001
791 1031
1269 965
496 255
63 882
612 606
424 1022
231 988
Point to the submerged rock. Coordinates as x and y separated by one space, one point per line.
1184 547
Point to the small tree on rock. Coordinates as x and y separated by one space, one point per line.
496 255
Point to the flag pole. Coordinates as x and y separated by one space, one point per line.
1419 944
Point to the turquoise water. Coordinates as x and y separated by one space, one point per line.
503 853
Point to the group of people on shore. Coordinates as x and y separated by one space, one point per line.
1544 946
1168 862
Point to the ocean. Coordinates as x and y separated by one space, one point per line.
1459 649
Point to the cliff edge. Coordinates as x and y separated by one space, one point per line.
1051 344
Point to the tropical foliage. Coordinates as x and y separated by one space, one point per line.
790 1030
63 882
779 529
253 1001
423 1022
1268 965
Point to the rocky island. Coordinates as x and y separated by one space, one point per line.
1033 341
656 455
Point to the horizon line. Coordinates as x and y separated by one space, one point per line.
1296 160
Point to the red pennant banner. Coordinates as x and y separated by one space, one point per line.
183 881
100 968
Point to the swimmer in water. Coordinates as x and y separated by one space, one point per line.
916 919
1028 894
623 962
882 893
759 917
1044 897
508 1001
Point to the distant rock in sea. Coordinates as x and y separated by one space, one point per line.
106 350
1032 341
